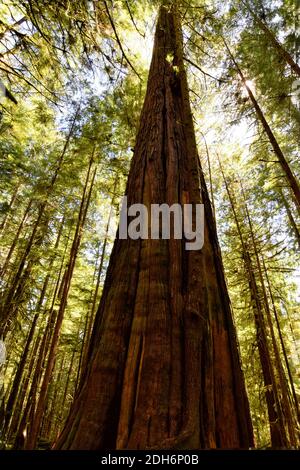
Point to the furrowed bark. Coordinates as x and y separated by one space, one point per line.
163 368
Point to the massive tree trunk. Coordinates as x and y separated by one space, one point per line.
164 369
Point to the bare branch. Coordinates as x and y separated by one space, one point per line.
132 19
119 42
202 71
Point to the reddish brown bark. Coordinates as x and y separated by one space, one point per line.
163 368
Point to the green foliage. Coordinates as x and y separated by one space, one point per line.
63 60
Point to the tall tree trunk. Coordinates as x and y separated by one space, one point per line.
39 366
20 402
66 283
292 221
51 406
15 240
293 183
210 176
17 290
163 368
277 429
18 376
276 421
90 318
282 343
21 430
6 312
62 411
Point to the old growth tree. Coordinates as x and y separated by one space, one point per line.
163 368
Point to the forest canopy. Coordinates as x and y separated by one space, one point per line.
168 102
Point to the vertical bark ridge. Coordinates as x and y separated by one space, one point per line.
163 369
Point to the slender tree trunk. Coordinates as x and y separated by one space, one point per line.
62 411
66 390
87 321
12 295
163 369
277 429
16 292
282 343
90 318
48 417
293 183
22 363
276 421
29 409
285 402
210 176
20 406
292 221
39 366
19 374
66 283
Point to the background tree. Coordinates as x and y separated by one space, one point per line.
93 57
